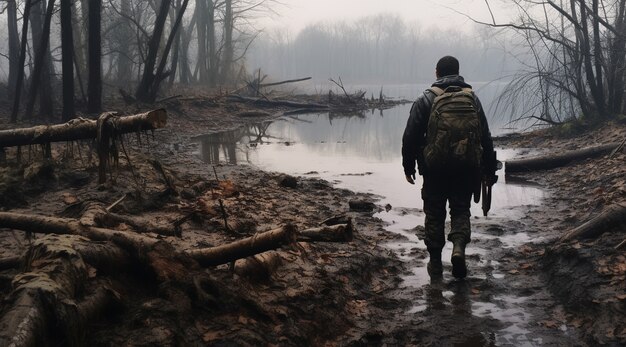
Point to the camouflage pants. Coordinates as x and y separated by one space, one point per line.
436 192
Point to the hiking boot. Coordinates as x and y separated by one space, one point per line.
459 269
435 267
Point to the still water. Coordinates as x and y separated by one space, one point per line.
357 152
363 153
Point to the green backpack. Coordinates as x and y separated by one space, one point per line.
453 136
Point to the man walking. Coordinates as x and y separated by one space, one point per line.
448 136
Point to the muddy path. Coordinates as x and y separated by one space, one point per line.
372 291
386 295
504 301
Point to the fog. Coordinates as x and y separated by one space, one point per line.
382 48
223 44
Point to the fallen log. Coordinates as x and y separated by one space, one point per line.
81 129
247 247
54 225
275 103
96 215
110 220
42 304
557 160
23 322
258 267
613 216
102 255
333 233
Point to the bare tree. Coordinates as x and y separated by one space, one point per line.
20 72
38 77
67 46
94 88
228 42
124 36
578 48
143 90
160 73
14 47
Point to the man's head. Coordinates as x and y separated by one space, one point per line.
447 66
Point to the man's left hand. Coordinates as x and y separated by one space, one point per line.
410 178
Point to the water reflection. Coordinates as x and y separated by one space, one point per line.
220 147
232 146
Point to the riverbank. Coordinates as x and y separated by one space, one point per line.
360 293
587 276
314 294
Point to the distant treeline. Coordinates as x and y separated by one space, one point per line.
381 48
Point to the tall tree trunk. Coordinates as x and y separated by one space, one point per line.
177 42
598 60
67 56
213 58
185 69
80 51
41 50
20 71
124 63
183 60
46 99
94 88
147 80
160 76
588 61
616 64
14 47
228 42
201 9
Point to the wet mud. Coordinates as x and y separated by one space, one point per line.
522 289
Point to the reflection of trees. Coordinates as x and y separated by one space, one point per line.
257 132
214 145
347 115
224 146
358 131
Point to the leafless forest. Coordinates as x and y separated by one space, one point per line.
164 181
82 50
565 56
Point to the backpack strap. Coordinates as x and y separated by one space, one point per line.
438 91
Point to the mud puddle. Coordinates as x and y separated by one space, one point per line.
362 153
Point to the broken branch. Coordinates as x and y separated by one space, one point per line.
333 233
81 129
243 248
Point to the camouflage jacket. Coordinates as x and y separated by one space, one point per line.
414 139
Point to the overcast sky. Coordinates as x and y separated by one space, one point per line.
297 14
